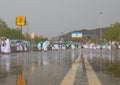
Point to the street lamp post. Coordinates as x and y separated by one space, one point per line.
101 26
61 37
101 38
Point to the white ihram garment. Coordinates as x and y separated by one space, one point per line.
3 47
7 46
44 46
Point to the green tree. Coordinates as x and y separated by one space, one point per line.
16 33
112 32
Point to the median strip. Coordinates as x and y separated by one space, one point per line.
70 76
91 75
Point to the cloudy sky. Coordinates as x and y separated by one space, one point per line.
51 17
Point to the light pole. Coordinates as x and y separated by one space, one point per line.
101 26
101 38
61 36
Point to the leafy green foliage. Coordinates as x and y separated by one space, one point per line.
113 32
15 33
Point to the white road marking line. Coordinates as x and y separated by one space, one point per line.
91 75
70 76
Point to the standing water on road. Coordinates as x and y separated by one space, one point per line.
35 68
106 64
51 67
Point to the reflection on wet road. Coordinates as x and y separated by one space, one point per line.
59 67
106 65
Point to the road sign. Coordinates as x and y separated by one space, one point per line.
20 20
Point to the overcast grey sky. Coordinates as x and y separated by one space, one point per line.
51 17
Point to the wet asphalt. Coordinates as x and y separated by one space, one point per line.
50 68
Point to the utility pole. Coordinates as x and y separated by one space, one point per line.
101 36
61 37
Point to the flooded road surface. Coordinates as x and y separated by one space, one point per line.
63 67
106 64
35 68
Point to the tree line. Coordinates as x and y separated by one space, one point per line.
16 33
112 32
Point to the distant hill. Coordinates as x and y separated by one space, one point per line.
87 34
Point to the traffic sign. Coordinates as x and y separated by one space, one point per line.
20 20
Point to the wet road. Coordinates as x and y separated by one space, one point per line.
63 67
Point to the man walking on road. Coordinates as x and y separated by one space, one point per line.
7 45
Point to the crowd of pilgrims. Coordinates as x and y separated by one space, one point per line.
5 45
56 46
43 46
